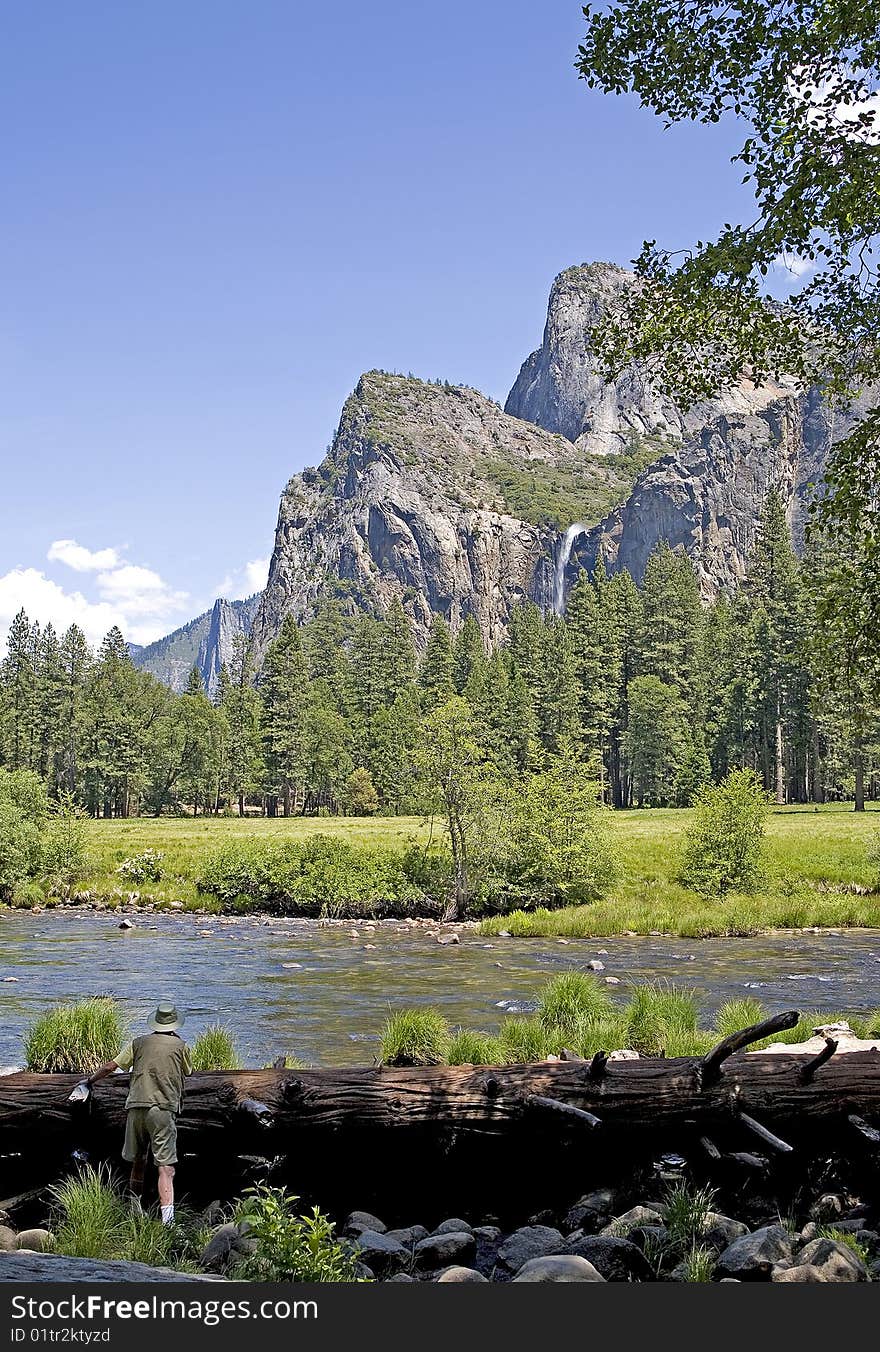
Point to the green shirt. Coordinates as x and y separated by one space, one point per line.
159 1063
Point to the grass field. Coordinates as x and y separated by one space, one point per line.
818 869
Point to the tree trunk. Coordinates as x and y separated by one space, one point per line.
859 765
780 763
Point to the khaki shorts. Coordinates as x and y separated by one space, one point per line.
153 1127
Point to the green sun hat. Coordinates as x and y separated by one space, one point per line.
166 1018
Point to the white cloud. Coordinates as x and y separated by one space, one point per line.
80 559
793 263
842 115
244 581
139 591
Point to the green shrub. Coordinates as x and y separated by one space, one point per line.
698 1264
64 842
142 868
289 1247
361 798
724 842
23 812
214 1049
415 1037
474 1049
75 1037
92 1220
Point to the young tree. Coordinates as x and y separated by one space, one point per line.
283 686
656 740
724 843
437 669
361 798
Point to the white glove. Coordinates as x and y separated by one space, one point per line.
81 1092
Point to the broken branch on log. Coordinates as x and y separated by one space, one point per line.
774 1142
864 1129
824 1055
554 1105
709 1069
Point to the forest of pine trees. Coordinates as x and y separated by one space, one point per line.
657 693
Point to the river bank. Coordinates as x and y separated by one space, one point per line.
322 991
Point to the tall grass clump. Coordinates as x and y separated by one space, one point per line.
474 1049
92 1220
735 1015
662 1018
75 1037
687 1212
698 1264
214 1049
570 1000
524 1039
415 1037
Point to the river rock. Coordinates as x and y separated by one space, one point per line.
829 1207
228 1244
446 1250
489 1239
802 1272
753 1257
381 1253
531 1241
36 1240
454 1226
448 939
8 1239
595 965
558 1268
590 1212
618 1260
125 923
359 1221
408 1235
720 1231
637 1215
836 1260
461 1274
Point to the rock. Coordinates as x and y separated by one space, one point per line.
454 1226
753 1257
637 1215
8 1239
125 923
503 934
227 1245
612 981
381 1253
489 1239
595 965
829 1207
37 1240
531 1241
558 1268
213 1213
618 1260
460 1274
438 1251
448 939
802 1272
409 1235
835 1260
720 1231
655 1237
623 1054
27 1266
590 1212
362 1220
401 1277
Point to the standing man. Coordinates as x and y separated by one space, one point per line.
159 1064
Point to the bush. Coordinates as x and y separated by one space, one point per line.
214 1049
145 867
724 842
91 1219
64 844
361 798
23 812
289 1247
415 1037
76 1037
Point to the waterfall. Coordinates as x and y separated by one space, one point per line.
568 539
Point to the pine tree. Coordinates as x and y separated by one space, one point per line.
436 673
283 685
468 653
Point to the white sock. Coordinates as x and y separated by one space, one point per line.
168 1214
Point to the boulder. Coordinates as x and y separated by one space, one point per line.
590 1212
558 1267
637 1215
8 1239
618 1260
380 1252
802 1272
829 1207
453 1226
531 1241
835 1259
400 1277
408 1235
36 1240
753 1257
362 1220
720 1231
446 1250
489 1239
227 1245
461 1274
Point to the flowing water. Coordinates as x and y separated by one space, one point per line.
323 992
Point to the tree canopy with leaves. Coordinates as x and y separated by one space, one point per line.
803 77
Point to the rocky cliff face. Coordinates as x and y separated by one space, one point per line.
432 494
206 642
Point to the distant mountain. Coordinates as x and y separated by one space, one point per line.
205 642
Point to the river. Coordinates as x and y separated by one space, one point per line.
323 992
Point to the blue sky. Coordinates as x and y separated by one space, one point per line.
216 215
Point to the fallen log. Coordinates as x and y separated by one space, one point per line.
23 1265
